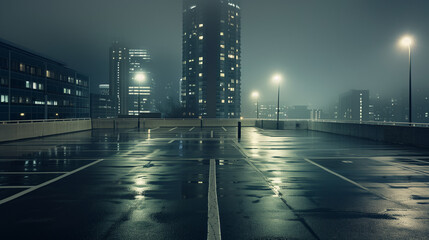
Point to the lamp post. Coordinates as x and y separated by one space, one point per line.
139 77
277 79
408 41
255 95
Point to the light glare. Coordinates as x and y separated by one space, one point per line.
277 78
255 94
140 77
407 41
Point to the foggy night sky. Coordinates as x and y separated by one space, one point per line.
322 47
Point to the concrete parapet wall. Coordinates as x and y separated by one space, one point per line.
154 123
283 125
408 135
34 129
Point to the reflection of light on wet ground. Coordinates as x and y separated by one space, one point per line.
139 188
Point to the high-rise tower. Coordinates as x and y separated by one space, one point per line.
125 90
211 80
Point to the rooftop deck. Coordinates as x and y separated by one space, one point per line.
159 184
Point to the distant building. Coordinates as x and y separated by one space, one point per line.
268 111
298 112
211 80
125 90
354 106
36 87
101 104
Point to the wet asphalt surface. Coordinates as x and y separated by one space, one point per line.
106 184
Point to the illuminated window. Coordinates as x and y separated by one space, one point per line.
201 37
222 74
201 25
22 67
222 46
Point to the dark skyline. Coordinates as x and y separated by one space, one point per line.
322 48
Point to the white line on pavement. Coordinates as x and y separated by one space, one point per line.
190 130
154 129
224 129
171 141
31 173
20 194
14 187
353 182
211 134
172 129
213 223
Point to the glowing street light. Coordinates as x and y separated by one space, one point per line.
407 41
139 78
277 79
255 95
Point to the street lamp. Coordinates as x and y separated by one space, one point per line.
255 95
408 41
139 77
277 79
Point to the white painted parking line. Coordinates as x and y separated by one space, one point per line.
154 129
224 129
15 187
213 223
353 182
31 173
171 141
172 129
190 130
211 134
402 165
20 194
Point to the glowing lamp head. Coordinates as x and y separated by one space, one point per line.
407 41
255 95
140 77
277 78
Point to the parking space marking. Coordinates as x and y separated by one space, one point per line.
172 129
213 223
31 173
20 194
171 141
224 129
190 130
15 187
211 134
153 129
355 183
273 188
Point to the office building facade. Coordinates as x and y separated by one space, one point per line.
354 106
211 67
125 89
101 103
35 87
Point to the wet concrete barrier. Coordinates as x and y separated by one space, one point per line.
416 135
408 135
120 123
17 130
283 125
